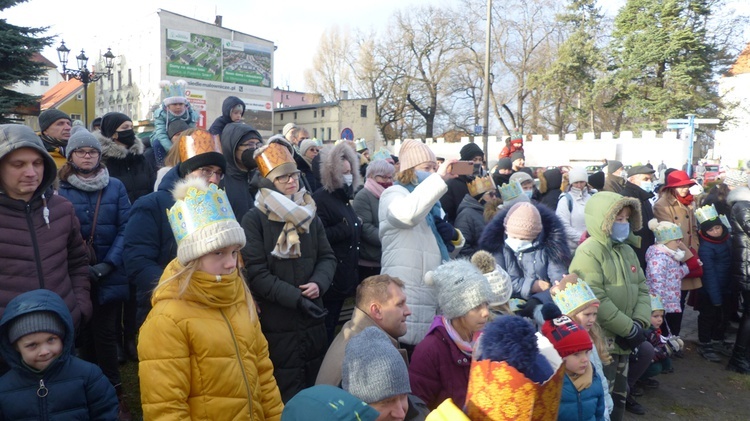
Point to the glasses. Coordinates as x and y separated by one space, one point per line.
316 150
207 173
283 179
81 153
384 177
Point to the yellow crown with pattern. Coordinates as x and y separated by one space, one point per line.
481 185
706 213
656 303
511 190
575 297
667 232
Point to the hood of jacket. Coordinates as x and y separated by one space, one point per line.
112 149
601 212
230 138
229 103
36 300
16 136
553 179
331 166
169 180
553 235
469 202
740 194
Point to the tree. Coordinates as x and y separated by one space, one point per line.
17 45
331 73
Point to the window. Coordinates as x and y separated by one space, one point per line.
363 111
329 133
295 115
287 96
322 134
75 117
303 99
281 116
322 113
119 79
130 77
315 132
44 80
111 84
315 113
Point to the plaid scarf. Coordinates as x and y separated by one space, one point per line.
297 214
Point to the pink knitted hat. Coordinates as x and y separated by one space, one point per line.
412 153
523 221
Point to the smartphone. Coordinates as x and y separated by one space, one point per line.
462 168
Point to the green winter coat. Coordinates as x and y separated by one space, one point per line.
611 269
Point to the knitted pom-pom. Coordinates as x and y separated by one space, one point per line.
483 261
180 190
551 311
428 279
653 224
510 339
164 83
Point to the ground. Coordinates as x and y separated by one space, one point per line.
698 389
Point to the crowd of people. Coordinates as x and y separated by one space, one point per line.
221 262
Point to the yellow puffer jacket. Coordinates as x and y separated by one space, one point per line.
203 356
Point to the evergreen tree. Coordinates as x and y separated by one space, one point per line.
664 60
17 44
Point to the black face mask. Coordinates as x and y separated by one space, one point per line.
477 169
126 137
247 159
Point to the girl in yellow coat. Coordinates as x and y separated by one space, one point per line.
202 354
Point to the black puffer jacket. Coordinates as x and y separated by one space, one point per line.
217 127
553 180
343 228
297 343
237 180
739 219
128 165
647 211
451 200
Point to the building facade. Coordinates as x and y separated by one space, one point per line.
285 98
731 145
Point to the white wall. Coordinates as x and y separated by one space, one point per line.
733 144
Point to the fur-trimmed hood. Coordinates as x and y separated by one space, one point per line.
601 211
552 238
740 194
112 149
331 158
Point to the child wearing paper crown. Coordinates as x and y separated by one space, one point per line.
582 392
663 348
202 337
715 294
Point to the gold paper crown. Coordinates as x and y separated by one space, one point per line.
575 296
511 190
497 391
196 143
656 303
481 185
198 209
271 157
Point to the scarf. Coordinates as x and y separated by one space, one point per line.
465 347
435 212
95 183
373 187
687 200
668 251
297 214
584 380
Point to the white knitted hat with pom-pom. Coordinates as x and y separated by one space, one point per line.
499 280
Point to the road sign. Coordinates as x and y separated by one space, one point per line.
678 121
705 121
478 129
677 125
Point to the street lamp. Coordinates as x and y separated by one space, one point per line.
83 73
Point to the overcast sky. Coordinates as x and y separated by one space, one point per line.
295 26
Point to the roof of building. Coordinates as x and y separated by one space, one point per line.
742 65
59 93
308 106
42 59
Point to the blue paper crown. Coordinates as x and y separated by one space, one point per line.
656 303
706 213
381 154
171 89
667 234
574 297
510 191
199 209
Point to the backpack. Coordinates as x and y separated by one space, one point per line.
570 200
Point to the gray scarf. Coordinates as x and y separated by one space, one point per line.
95 183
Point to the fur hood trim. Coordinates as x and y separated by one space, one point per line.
331 158
112 149
740 194
610 215
555 244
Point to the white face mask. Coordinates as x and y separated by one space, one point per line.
348 179
518 245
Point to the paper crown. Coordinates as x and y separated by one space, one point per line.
173 92
361 145
381 154
199 209
510 191
575 297
271 157
318 142
481 185
196 143
497 391
709 213
516 304
666 233
656 303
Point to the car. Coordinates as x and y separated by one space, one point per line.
591 169
712 174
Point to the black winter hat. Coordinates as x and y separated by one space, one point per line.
469 151
516 155
505 164
48 117
176 127
203 160
34 322
111 121
613 166
597 180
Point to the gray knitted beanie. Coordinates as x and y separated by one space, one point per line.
460 287
373 369
82 139
34 322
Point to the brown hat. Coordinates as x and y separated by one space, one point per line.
274 160
523 221
413 152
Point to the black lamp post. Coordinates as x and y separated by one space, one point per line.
83 73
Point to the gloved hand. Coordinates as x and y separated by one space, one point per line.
528 308
310 308
634 338
100 270
447 233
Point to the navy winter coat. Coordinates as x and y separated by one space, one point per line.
470 221
547 259
716 256
585 405
109 237
149 241
76 389
217 127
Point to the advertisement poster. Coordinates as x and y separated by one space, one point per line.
193 55
258 114
197 100
246 64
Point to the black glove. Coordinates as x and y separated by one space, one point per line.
528 308
100 270
310 308
447 233
634 338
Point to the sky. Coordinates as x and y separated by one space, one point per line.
295 26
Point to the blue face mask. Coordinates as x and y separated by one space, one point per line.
620 231
647 186
528 193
